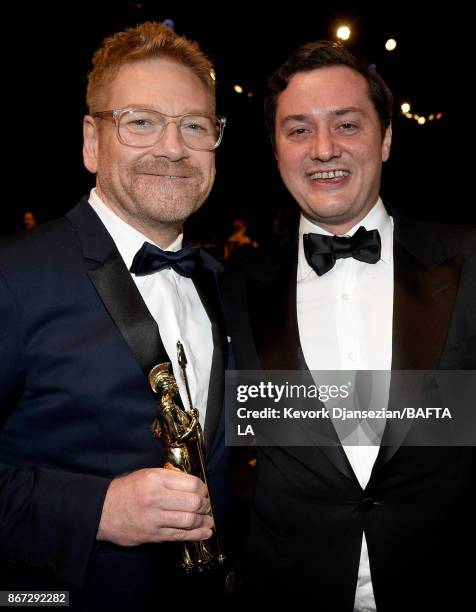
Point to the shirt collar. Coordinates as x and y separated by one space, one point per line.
127 239
377 218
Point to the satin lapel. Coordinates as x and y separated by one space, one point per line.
206 285
423 307
116 288
124 303
273 315
424 298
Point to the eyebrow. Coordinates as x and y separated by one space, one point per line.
337 112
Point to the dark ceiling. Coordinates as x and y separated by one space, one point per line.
47 62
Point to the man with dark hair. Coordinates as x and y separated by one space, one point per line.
322 54
88 305
350 527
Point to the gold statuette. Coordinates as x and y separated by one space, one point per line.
184 450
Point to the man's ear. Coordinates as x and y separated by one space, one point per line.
90 143
387 143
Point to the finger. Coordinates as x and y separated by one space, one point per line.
183 520
175 479
184 502
184 535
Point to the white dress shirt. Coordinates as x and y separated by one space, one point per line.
174 303
345 323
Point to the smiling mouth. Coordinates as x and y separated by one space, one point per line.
330 174
167 176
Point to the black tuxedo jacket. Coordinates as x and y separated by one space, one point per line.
309 510
76 340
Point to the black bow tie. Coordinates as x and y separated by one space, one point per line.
322 251
149 258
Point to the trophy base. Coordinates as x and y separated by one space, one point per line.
197 568
214 574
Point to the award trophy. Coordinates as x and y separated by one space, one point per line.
184 450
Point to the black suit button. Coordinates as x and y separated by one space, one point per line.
366 504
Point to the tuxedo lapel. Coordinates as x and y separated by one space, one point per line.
205 282
117 290
124 303
272 306
423 307
426 280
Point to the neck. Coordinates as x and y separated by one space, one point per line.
162 236
339 227
335 229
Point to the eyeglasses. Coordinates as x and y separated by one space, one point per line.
137 127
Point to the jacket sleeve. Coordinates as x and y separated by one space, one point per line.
48 518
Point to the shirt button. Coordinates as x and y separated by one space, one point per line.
351 356
345 296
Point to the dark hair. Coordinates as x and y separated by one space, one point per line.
323 54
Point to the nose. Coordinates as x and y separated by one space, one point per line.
171 144
324 146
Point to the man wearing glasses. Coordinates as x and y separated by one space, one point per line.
88 304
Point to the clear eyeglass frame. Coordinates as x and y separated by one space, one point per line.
118 113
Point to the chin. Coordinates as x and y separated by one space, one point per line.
173 214
330 212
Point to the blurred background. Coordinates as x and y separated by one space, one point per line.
431 68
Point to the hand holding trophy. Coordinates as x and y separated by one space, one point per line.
184 450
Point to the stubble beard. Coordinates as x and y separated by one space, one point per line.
166 202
